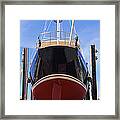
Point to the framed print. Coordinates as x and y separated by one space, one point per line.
59 59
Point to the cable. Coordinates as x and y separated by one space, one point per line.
44 28
75 30
47 27
45 24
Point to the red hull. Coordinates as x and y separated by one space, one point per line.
59 87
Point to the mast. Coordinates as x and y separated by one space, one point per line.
58 31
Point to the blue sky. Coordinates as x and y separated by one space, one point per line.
88 32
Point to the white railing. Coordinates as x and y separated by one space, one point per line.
51 38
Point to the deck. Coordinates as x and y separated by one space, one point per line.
57 43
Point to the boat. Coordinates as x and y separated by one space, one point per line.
58 70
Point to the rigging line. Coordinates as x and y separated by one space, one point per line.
70 24
74 26
32 56
48 26
45 25
75 29
71 32
44 28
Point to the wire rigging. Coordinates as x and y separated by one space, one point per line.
46 27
